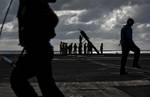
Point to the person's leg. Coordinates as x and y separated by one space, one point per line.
20 85
136 51
47 85
125 53
45 77
19 80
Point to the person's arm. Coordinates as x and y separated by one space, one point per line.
122 35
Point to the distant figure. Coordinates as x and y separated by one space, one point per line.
61 48
37 24
70 48
65 48
127 45
80 48
80 44
75 48
90 48
101 48
85 48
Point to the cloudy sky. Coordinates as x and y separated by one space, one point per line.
100 19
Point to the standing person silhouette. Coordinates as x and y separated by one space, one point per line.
37 24
101 48
127 45
85 48
75 48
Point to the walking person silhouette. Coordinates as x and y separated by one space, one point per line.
127 44
37 23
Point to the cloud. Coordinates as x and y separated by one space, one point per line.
73 16
10 30
101 20
117 16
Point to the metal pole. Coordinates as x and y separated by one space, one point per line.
1 29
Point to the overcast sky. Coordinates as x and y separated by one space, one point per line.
100 19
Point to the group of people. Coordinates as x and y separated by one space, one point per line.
74 48
66 48
37 23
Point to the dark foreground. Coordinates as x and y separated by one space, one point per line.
90 76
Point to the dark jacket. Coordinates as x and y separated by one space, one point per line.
126 35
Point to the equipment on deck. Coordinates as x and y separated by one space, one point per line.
88 40
1 29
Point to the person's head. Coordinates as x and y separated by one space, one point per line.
130 22
51 1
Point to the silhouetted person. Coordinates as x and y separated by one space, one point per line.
80 45
85 48
75 48
90 51
65 48
61 47
80 48
101 48
70 48
37 24
127 45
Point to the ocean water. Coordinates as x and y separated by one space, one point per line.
57 52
